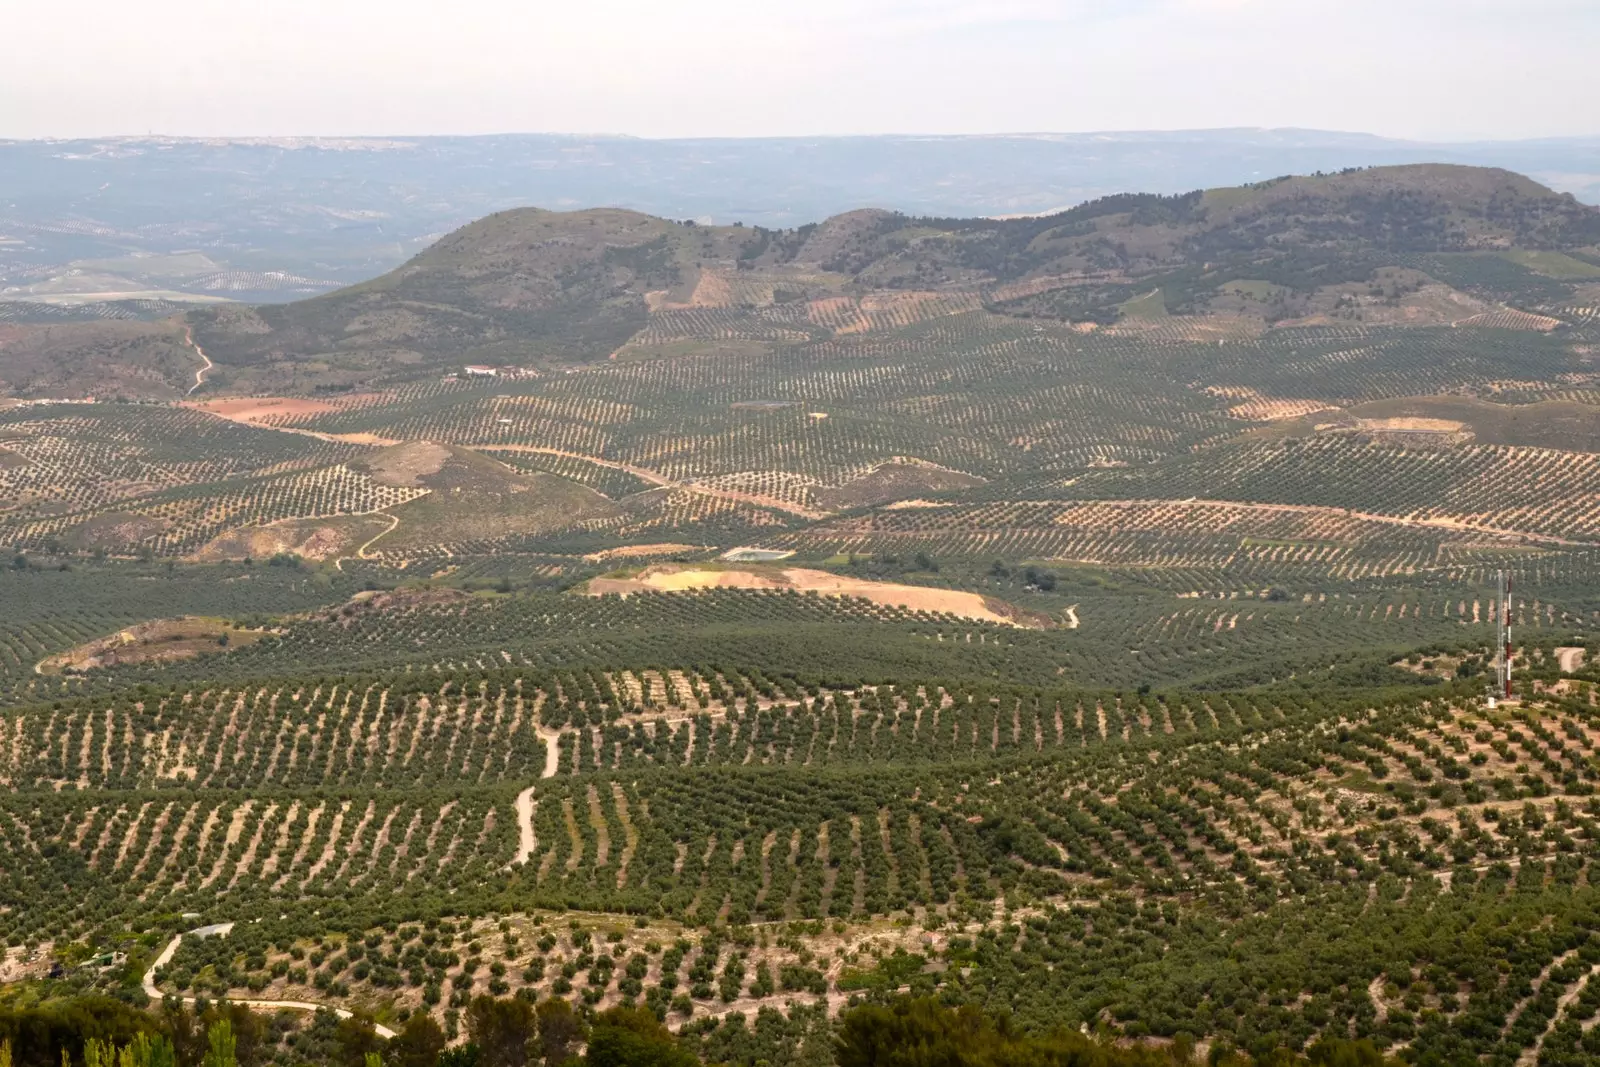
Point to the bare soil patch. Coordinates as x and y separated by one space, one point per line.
665 548
158 641
313 539
281 412
381 601
711 291
407 464
671 578
1412 424
896 480
1257 407
22 963
115 531
256 409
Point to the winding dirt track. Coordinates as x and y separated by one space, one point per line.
222 930
662 481
394 524
1369 516
552 752
527 840
199 375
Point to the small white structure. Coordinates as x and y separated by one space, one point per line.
480 372
748 554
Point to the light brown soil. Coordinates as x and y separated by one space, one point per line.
17 964
527 839
666 548
313 539
1257 407
670 578
712 291
1413 425
159 641
261 408
274 412
408 464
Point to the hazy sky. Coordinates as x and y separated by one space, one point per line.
1436 69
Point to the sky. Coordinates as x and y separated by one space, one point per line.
1424 69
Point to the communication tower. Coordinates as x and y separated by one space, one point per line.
1502 621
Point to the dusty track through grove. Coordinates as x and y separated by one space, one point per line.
199 375
222 930
527 840
662 481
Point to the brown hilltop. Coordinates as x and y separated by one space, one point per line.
529 287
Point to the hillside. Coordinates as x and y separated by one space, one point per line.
530 288
886 606
659 383
288 217
105 359
524 286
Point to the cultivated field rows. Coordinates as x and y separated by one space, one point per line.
718 447
1051 794
180 521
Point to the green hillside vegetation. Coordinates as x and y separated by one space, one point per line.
109 360
524 286
534 288
1567 425
471 496
1555 265
303 706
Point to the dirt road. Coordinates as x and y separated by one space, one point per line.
199 375
527 840
662 481
222 930
552 752
394 524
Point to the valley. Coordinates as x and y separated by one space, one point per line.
1086 618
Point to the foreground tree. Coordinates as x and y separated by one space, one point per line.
560 1030
634 1037
503 1030
418 1044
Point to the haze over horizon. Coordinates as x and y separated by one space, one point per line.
1419 69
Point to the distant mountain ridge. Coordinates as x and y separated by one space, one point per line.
532 287
286 217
